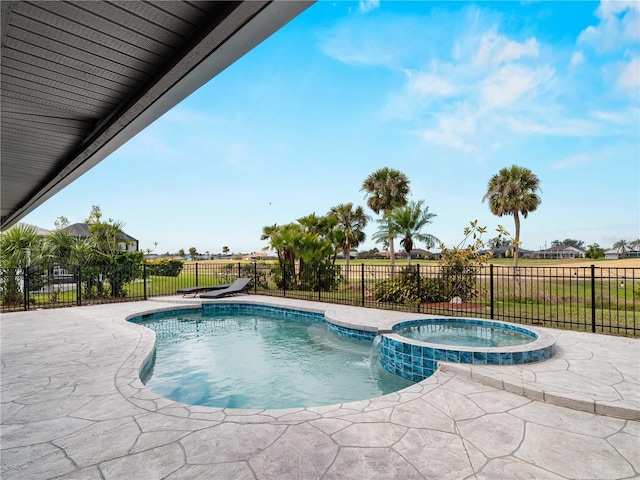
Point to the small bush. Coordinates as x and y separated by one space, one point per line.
408 288
164 267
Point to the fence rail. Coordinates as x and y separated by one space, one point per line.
596 299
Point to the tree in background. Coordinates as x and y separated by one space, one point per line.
568 242
20 246
621 246
513 191
181 253
351 222
594 251
386 189
225 249
193 252
105 257
408 222
312 243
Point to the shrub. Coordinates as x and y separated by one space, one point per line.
164 267
409 288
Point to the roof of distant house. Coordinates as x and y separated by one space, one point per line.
40 231
82 230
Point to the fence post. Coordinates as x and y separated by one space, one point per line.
593 298
144 279
284 279
196 274
25 286
319 290
419 286
78 286
255 277
362 281
239 270
491 290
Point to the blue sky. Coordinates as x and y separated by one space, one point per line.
446 92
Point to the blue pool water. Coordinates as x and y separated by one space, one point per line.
466 334
257 359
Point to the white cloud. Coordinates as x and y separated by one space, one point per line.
368 5
617 117
576 59
552 124
629 77
453 131
494 50
570 162
511 83
429 84
619 26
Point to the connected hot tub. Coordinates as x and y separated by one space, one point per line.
413 349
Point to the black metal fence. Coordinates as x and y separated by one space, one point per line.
596 299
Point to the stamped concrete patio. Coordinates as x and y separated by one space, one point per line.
73 407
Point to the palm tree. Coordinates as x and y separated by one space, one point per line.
386 189
513 191
621 246
351 222
408 222
19 248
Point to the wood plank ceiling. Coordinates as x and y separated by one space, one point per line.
79 78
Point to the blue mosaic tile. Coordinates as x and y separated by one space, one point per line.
516 358
439 354
429 364
480 358
493 358
453 356
427 352
506 358
466 357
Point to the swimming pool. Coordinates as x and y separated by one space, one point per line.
251 356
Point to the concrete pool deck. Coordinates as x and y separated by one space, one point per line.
73 407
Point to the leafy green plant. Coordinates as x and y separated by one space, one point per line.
459 266
408 287
164 267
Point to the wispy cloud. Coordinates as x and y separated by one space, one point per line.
429 84
576 59
368 5
570 162
494 50
511 83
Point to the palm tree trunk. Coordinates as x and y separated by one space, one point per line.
392 256
516 247
347 257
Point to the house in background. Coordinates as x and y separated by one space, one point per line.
40 231
616 253
81 230
507 252
416 253
560 251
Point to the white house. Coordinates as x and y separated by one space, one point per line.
561 251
